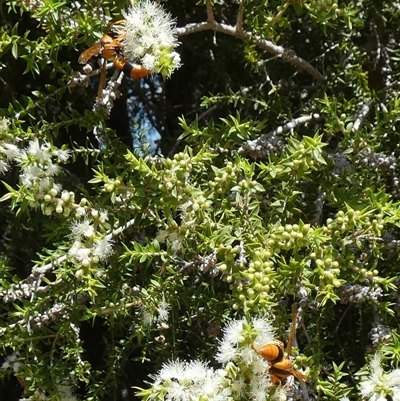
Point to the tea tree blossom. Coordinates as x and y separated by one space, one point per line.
150 37
4 124
65 393
379 385
152 313
8 149
12 362
243 375
103 216
99 251
163 311
80 253
102 248
37 167
147 316
62 155
187 381
81 229
234 347
4 166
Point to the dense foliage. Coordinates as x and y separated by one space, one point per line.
146 225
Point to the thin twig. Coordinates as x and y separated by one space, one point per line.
239 18
362 113
259 147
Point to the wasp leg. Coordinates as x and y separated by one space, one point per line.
102 81
292 337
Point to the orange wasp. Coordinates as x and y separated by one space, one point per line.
111 46
280 365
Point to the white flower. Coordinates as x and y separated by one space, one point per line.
80 211
10 150
213 387
226 352
187 381
176 58
150 36
40 152
265 332
103 216
52 169
258 385
163 311
103 248
147 315
230 349
3 167
239 385
12 361
170 370
65 196
4 124
247 354
162 235
176 244
63 154
81 229
65 393
196 371
233 332
56 188
44 184
149 61
38 395
80 253
30 175
380 384
259 365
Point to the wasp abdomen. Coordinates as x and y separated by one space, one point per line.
133 70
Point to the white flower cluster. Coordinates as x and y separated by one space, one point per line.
88 247
244 375
12 362
38 168
231 348
189 381
149 312
38 163
150 37
379 385
8 149
236 350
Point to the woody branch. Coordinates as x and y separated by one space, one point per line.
237 31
